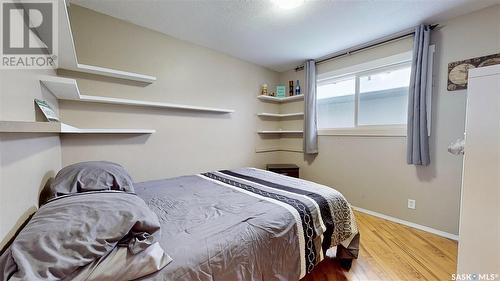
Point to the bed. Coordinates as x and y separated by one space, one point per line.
241 224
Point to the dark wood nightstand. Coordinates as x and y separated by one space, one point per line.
290 170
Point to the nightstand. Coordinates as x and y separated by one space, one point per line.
290 170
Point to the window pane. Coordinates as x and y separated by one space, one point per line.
383 97
336 104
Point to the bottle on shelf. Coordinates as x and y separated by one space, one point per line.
297 88
290 88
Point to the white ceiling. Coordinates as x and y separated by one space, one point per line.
260 32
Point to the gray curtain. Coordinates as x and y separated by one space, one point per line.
310 115
417 135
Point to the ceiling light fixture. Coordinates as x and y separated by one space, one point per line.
288 4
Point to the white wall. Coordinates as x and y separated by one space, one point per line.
27 161
371 171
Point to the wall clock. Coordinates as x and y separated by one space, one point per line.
458 71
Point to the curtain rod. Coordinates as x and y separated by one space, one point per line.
387 39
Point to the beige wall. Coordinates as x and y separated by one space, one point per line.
27 161
371 171
185 142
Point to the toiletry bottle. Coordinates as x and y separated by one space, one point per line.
297 88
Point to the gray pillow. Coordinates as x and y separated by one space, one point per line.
91 176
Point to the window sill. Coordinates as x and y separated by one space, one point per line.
367 131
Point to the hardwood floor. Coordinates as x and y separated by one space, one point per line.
391 251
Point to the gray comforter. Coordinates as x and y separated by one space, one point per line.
246 224
243 224
73 231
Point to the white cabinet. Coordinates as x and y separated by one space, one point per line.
479 242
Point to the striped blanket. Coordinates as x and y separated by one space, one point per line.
320 212
247 224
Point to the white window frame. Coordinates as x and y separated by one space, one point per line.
374 67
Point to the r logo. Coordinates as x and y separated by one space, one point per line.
27 28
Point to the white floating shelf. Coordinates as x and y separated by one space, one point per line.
67 58
280 115
280 132
280 100
67 129
274 149
62 88
29 127
112 73
61 128
67 89
109 100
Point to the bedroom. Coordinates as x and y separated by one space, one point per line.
174 88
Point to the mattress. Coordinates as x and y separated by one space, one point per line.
246 224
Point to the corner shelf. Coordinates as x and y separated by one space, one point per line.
67 58
275 132
61 128
274 149
67 89
280 133
280 115
280 100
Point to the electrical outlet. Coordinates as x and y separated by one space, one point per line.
411 204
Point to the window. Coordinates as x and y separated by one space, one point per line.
369 97
383 96
336 103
